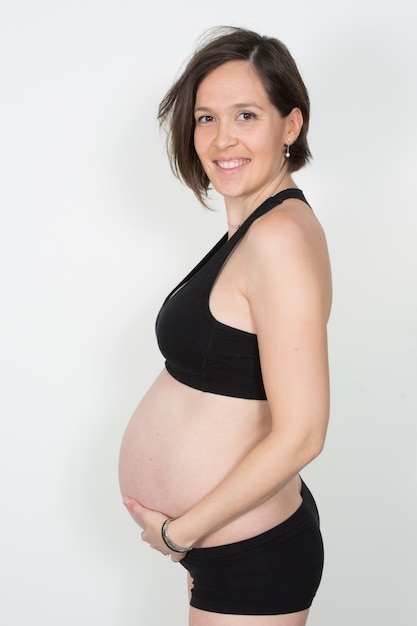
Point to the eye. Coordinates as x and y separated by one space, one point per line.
246 116
205 119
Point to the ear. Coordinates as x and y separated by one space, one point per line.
294 124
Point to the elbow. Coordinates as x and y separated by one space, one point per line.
311 447
316 448
312 443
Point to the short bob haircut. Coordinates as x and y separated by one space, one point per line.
280 77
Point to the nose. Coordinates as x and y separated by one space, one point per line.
225 135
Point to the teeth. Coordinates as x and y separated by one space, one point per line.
228 165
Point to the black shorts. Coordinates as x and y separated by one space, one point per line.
273 573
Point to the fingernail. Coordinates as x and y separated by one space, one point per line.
126 501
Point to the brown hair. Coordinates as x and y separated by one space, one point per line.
276 69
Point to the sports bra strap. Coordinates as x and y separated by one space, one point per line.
267 205
225 246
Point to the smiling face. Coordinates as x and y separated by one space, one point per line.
239 135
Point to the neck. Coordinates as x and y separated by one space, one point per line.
239 208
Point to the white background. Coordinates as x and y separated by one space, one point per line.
94 230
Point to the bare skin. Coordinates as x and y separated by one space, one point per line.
204 618
186 453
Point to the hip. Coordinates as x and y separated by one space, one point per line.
277 571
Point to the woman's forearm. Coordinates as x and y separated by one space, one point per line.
269 466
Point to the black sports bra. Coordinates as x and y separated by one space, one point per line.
201 351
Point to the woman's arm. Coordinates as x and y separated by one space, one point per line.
287 284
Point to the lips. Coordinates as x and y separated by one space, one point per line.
231 164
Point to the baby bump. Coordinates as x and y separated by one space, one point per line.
168 464
181 443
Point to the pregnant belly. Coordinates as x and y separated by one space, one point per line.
181 442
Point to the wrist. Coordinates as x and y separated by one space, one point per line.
170 539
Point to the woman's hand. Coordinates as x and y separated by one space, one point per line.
151 523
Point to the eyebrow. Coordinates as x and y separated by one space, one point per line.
238 105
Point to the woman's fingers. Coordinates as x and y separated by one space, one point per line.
136 510
151 523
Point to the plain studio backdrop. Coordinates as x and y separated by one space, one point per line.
95 230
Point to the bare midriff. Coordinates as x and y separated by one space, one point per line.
181 443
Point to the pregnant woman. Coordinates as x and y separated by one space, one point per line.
210 461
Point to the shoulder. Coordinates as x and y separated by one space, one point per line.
286 248
288 229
